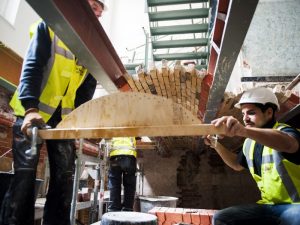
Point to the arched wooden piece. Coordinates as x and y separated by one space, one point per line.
128 109
129 114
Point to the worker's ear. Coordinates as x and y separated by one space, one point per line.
269 112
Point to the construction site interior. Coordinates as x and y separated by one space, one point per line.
161 62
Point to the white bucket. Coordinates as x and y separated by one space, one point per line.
149 202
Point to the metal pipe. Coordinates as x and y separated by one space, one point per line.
76 183
93 212
293 83
105 148
146 48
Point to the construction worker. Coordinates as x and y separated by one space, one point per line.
52 84
271 153
122 168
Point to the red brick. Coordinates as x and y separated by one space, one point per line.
205 219
173 215
187 218
196 218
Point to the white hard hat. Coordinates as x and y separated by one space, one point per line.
260 95
103 2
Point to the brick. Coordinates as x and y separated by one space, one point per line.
160 213
173 215
186 216
196 217
205 219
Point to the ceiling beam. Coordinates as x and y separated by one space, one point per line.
268 79
76 25
228 37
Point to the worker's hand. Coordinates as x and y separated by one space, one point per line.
232 126
210 140
31 119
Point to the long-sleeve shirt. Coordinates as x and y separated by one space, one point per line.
36 59
258 150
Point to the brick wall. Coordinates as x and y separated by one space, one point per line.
199 179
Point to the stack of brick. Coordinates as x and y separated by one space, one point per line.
170 216
181 84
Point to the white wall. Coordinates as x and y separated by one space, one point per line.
17 37
123 23
271 46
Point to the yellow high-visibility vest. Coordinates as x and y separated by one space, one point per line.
60 81
123 146
279 182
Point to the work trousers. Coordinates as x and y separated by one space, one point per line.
122 168
259 214
18 204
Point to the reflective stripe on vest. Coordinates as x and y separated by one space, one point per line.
280 179
61 78
123 146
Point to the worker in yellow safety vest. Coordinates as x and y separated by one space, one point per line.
271 153
52 84
122 168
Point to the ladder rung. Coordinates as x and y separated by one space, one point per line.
180 56
178 14
179 29
172 2
180 43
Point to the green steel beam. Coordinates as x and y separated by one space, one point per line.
179 43
180 56
179 29
178 14
172 2
132 66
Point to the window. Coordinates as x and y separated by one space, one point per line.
8 10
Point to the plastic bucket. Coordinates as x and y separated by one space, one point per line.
149 202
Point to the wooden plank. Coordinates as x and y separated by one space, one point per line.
150 131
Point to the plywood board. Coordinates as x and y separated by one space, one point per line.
129 114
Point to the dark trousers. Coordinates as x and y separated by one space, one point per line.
259 214
122 168
18 204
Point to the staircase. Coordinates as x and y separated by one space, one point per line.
179 30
